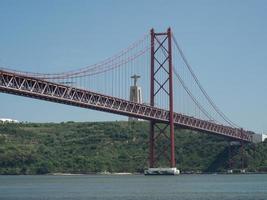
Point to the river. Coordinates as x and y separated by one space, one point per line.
126 187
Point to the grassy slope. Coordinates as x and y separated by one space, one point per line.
111 146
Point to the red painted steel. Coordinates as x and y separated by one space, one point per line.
171 98
152 123
156 131
162 40
32 87
242 150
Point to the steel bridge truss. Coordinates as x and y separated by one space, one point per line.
17 84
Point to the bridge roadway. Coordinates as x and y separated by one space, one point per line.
22 85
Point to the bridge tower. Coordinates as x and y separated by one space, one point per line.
161 139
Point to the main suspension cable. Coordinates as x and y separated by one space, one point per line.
200 86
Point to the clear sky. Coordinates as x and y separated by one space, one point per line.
225 42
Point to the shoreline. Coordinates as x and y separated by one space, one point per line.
135 173
128 174
101 173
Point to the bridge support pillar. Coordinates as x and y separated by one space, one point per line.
236 148
230 159
161 139
242 170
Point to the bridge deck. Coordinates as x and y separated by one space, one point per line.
17 84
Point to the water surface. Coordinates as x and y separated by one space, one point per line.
115 187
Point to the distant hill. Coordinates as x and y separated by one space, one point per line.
111 146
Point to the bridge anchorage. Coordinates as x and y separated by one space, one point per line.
102 89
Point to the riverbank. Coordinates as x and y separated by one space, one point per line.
113 147
136 173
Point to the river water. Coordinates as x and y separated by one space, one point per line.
118 187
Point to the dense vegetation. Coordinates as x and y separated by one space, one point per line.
111 146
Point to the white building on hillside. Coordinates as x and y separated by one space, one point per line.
6 120
256 138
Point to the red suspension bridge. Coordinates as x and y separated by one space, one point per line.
172 94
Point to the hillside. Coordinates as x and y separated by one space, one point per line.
110 146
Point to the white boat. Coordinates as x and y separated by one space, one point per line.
162 171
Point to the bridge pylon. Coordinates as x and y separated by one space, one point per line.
161 139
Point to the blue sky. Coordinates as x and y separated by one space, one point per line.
225 42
